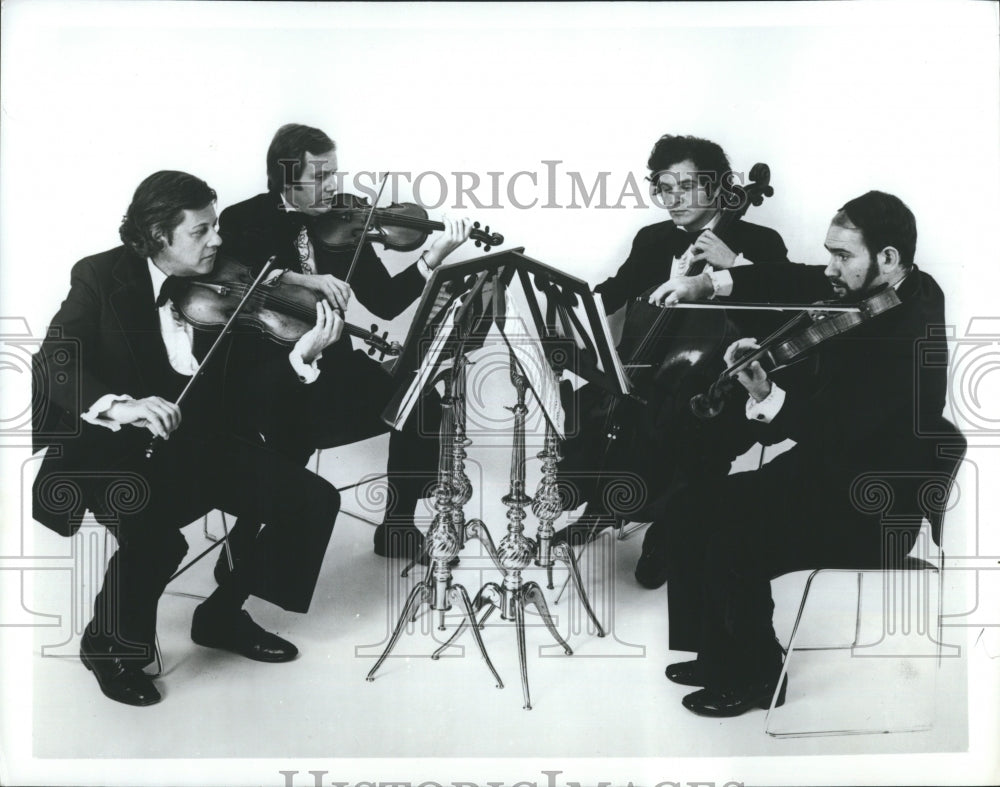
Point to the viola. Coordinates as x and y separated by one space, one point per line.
792 342
400 227
281 311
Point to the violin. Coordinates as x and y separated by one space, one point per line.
400 227
281 311
792 342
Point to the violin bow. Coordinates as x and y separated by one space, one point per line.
215 345
364 232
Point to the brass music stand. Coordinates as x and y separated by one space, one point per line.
569 341
454 328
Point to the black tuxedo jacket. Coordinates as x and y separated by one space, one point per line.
257 228
105 339
655 247
862 402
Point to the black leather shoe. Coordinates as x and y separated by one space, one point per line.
735 702
651 569
686 673
121 680
404 541
238 633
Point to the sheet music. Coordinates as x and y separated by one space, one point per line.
429 367
535 366
623 381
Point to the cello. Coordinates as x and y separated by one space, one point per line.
650 440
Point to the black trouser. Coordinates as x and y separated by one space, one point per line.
725 540
187 477
345 405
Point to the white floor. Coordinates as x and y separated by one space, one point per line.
608 699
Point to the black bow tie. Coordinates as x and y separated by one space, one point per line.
173 285
684 239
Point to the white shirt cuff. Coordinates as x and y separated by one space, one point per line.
96 415
722 282
307 372
766 409
422 267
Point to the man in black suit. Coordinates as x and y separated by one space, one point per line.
117 355
687 176
347 402
852 411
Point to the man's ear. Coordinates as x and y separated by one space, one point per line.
889 258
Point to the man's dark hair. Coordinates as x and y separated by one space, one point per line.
287 152
158 207
884 220
709 159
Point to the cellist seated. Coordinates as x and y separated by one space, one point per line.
686 176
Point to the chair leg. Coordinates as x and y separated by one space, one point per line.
788 656
857 614
845 728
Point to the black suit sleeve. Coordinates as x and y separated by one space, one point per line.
248 241
384 295
631 278
78 324
789 283
763 246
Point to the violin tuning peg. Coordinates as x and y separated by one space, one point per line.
374 328
371 351
487 248
475 225
486 229
479 243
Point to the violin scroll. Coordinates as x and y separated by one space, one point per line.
484 238
379 344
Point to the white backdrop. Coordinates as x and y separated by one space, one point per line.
836 98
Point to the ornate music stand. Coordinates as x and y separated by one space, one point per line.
445 537
484 282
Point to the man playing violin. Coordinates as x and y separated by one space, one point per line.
116 358
853 410
346 404
687 175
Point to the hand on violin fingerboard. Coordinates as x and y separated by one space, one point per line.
328 328
753 377
710 248
455 233
337 293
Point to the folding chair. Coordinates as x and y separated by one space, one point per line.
933 494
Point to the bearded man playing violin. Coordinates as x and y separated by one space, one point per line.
687 176
353 390
853 408
116 357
